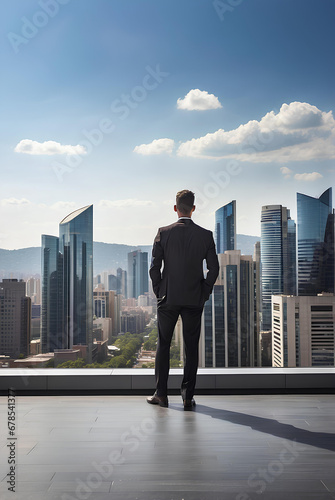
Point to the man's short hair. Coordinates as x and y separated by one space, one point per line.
185 201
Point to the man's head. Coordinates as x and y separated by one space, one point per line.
184 203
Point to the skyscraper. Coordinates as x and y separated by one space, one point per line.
278 257
15 316
52 331
76 246
225 227
257 303
228 325
138 281
105 306
121 282
67 283
315 244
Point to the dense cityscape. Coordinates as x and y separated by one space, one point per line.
273 308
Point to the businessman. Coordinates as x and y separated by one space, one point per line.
181 289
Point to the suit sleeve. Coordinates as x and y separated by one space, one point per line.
156 263
213 269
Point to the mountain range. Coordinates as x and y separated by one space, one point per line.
26 262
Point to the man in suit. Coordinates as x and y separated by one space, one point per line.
181 289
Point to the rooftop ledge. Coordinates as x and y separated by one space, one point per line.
62 381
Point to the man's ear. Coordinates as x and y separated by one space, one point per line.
193 208
175 208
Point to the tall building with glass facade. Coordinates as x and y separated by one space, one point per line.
228 321
121 275
278 257
225 227
15 318
52 331
257 303
76 246
138 277
315 244
67 283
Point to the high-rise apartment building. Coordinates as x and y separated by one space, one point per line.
228 321
278 257
67 283
138 277
315 244
303 330
225 227
15 317
105 305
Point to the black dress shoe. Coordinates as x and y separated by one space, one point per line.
158 400
189 404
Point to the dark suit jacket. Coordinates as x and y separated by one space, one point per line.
182 248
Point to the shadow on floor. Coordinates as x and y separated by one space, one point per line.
322 440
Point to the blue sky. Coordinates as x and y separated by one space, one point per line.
100 105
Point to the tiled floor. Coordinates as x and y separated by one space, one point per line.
121 448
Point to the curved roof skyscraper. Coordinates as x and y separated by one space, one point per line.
315 244
67 283
76 246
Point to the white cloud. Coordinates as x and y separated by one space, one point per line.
313 176
198 100
127 203
298 132
156 147
286 172
30 147
14 202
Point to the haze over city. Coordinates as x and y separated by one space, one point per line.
122 104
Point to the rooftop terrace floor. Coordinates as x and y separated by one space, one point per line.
278 447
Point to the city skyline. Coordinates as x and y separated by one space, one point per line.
122 104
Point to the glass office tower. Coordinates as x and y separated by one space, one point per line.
52 334
67 284
228 326
15 318
315 244
214 329
138 277
76 246
278 257
225 227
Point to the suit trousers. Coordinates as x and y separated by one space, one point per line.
167 316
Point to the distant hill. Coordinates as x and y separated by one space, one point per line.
110 256
26 262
